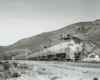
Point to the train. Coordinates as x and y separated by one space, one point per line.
65 49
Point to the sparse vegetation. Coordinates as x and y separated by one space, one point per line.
54 78
23 66
6 65
15 74
12 70
1 62
15 64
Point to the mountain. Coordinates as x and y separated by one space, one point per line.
86 31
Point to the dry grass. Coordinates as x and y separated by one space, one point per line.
11 70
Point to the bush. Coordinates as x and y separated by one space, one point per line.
23 66
15 74
15 64
1 62
1 75
6 65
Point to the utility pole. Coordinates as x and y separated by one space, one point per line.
45 50
61 42
26 54
1 53
82 54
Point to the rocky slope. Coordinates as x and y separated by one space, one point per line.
86 31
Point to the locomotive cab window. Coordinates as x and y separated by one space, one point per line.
70 44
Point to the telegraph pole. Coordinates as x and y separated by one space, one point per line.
61 42
1 53
45 49
82 54
26 54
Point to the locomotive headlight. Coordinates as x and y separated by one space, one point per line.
76 48
73 49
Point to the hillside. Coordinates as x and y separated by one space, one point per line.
86 31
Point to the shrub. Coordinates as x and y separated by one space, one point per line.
15 64
6 65
1 62
23 66
1 69
15 74
1 75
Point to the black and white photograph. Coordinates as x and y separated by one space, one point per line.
49 39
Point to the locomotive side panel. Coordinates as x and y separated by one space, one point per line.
59 48
62 50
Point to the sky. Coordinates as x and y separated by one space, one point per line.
25 18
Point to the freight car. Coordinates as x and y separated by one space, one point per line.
68 48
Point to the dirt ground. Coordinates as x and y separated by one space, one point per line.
41 70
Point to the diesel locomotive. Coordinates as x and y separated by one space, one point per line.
67 48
